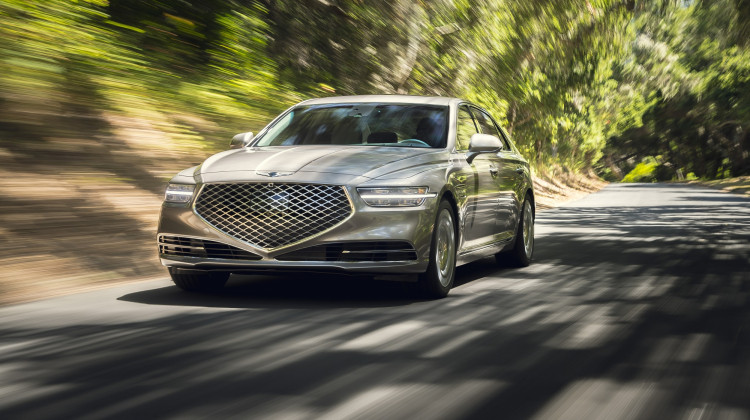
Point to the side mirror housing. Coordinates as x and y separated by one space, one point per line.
482 143
241 140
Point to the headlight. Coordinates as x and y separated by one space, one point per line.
179 193
395 196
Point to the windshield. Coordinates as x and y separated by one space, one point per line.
361 124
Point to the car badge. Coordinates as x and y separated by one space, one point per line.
273 174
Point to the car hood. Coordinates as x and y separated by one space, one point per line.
308 162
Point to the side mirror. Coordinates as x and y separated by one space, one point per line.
482 143
241 140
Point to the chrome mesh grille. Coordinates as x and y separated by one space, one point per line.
272 215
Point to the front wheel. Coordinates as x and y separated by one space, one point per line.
437 281
198 281
523 248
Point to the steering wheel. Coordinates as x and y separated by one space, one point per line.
416 142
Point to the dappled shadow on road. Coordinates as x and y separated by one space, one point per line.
628 312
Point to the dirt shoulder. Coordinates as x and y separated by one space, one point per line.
737 185
551 190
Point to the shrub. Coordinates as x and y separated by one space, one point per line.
643 172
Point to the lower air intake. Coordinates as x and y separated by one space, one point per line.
191 247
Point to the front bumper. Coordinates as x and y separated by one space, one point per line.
215 264
366 224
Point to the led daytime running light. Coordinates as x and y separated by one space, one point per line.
395 196
179 193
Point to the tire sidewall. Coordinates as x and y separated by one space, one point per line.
524 257
430 280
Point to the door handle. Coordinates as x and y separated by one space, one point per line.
519 170
493 170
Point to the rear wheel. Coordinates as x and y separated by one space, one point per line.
199 281
437 281
523 247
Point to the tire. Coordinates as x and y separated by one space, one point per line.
197 281
523 246
436 282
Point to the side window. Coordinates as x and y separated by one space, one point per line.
465 128
504 138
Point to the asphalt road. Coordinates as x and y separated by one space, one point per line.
636 307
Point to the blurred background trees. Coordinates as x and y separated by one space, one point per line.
582 85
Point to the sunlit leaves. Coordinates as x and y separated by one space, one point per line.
568 78
690 67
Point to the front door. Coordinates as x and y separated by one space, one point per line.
479 181
504 179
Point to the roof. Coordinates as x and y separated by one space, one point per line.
400 99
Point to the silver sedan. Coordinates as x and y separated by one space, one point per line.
384 185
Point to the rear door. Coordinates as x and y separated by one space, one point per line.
513 160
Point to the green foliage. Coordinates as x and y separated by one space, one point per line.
577 83
691 56
643 172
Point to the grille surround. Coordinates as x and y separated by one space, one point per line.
270 215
